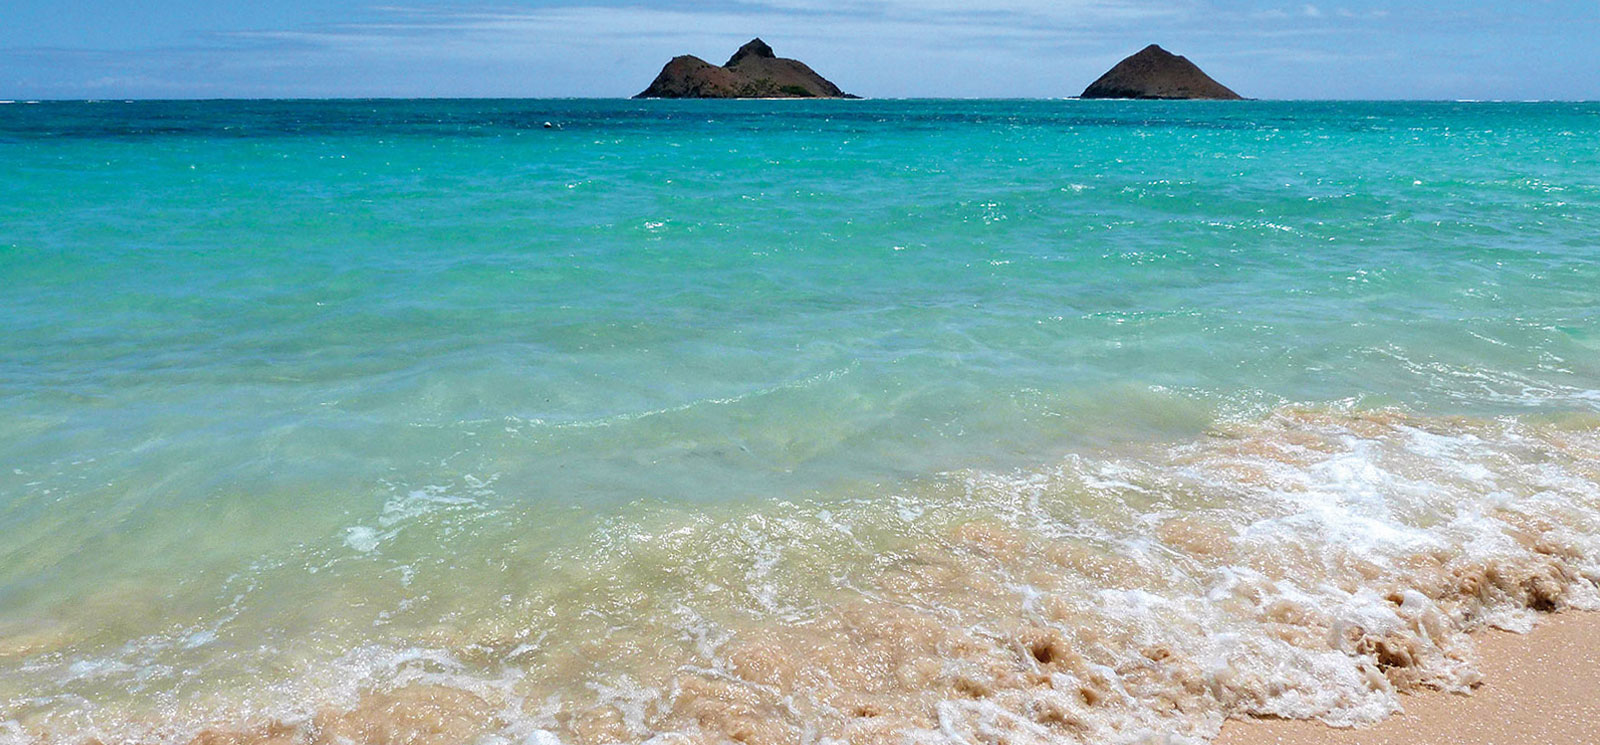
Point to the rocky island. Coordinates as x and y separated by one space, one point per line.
1156 73
753 72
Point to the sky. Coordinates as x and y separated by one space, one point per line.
1339 49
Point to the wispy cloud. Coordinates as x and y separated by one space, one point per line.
634 40
894 19
873 47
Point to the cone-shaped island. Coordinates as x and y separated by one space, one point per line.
1156 73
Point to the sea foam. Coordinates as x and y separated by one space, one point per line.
1313 563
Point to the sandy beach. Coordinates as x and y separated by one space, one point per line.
1539 688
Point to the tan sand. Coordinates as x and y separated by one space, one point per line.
1541 688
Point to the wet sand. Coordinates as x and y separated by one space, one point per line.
1541 688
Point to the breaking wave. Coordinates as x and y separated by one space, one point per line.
1311 563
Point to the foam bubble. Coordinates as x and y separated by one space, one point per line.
361 538
1314 563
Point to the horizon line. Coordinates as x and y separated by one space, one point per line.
201 99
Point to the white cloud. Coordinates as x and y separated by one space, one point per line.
793 17
590 47
631 42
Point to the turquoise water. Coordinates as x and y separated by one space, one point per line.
302 403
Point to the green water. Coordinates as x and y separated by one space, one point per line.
280 381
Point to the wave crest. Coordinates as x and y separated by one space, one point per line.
1310 564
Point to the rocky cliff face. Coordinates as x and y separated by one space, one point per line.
752 72
1156 73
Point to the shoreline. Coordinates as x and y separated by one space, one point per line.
1239 605
1539 687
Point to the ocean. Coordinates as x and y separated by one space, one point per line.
783 422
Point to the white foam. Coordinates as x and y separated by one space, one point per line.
361 538
1272 563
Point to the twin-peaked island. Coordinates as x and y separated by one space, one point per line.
753 72
756 72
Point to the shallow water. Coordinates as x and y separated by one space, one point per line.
783 421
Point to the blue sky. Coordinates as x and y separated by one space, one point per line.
883 48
